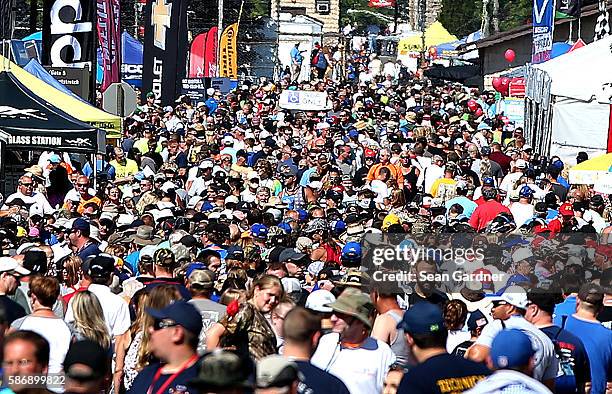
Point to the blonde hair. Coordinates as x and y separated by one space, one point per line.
160 297
230 295
265 282
89 318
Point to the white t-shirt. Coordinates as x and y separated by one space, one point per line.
456 337
546 363
115 309
521 213
37 203
362 370
55 331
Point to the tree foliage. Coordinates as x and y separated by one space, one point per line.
462 17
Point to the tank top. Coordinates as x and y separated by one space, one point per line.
333 254
399 344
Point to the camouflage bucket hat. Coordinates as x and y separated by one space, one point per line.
223 370
354 303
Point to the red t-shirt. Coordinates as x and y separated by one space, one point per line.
485 213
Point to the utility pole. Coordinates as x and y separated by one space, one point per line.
219 22
422 23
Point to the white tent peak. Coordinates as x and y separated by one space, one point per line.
583 73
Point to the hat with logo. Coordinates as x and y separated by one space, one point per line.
235 252
182 313
276 371
352 250
520 163
566 209
259 230
201 278
86 360
476 320
223 370
369 152
354 278
290 255
355 303
512 295
100 266
422 318
35 261
511 348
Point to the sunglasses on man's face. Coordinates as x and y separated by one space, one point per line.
160 324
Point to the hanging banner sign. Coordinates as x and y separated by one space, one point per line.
109 37
68 33
228 52
165 49
210 53
543 29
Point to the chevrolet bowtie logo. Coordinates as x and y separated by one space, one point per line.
160 20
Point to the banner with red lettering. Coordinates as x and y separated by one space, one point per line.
210 53
109 38
196 56
381 3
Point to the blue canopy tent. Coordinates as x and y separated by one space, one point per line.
131 55
36 69
449 49
131 58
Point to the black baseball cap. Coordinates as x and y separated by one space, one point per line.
101 266
86 360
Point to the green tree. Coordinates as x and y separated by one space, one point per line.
461 17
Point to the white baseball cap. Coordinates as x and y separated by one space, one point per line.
515 296
9 264
521 254
317 300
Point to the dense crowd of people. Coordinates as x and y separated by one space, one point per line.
221 247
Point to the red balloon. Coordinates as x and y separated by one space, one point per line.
478 112
510 55
505 85
497 84
472 105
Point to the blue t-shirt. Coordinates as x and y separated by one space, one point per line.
597 341
443 373
317 380
570 351
566 308
90 250
468 205
179 385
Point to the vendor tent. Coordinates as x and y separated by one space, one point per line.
593 171
569 101
435 34
66 103
30 122
34 68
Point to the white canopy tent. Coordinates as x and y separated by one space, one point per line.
581 94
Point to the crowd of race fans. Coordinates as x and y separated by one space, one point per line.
221 248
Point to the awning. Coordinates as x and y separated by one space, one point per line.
30 122
70 105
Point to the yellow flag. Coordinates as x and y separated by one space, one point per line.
228 52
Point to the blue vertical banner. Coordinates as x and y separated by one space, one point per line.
543 29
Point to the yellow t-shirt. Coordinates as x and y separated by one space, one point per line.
122 171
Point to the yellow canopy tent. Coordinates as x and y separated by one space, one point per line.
435 34
80 110
591 171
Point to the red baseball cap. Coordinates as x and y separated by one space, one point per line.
369 153
566 209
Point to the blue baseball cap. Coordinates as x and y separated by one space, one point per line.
422 318
182 313
285 227
235 252
483 126
192 267
80 224
303 215
351 250
55 159
488 181
353 133
511 348
259 231
207 206
339 226
525 192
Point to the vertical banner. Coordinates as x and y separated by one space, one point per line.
68 33
196 56
165 49
228 52
210 53
109 37
543 29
